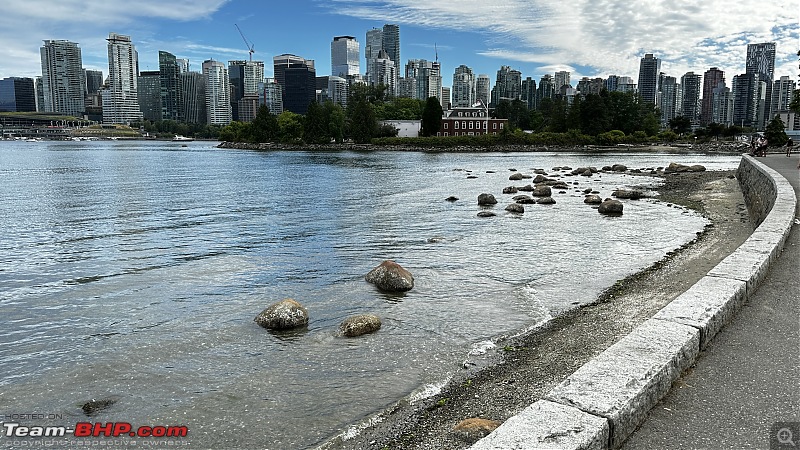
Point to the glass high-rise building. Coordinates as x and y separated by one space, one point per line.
711 80
372 49
148 91
345 57
691 85
463 87
62 78
384 72
529 92
649 70
670 98
218 93
94 81
245 77
193 85
483 89
17 95
508 85
761 61
171 87
120 98
390 41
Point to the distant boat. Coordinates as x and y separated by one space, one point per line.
180 138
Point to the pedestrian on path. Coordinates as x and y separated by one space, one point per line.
789 145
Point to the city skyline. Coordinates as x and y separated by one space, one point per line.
535 38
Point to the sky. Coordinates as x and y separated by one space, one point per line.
593 38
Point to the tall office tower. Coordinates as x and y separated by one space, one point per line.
483 89
62 78
463 87
270 95
171 87
561 79
649 68
692 86
297 77
372 48
616 83
508 85
183 64
782 93
546 89
407 87
384 72
761 61
338 90
670 100
94 81
529 92
345 58
120 101
722 105
193 85
711 80
218 93
390 41
749 92
244 78
17 95
39 94
148 91
445 98
428 76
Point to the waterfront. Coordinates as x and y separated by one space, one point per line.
133 271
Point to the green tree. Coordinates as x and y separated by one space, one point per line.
361 120
335 117
264 126
236 132
290 128
315 125
680 125
431 117
594 114
776 132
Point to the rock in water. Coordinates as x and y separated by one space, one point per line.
283 315
515 208
486 199
93 407
610 207
360 324
475 428
593 199
390 276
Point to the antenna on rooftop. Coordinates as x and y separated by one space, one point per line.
250 47
436 49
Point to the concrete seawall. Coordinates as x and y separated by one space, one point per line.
603 402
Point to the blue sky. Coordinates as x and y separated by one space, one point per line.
586 37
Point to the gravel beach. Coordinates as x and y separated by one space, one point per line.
528 366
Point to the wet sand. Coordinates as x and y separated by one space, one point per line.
529 366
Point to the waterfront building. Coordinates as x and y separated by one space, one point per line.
782 93
372 48
483 89
670 99
171 87
39 94
711 80
722 105
384 72
508 85
649 69
193 85
63 81
761 61
297 78
546 89
120 99
470 121
691 86
338 90
149 95
271 95
529 92
445 98
248 107
345 57
94 81
561 79
749 94
218 93
463 87
244 78
17 95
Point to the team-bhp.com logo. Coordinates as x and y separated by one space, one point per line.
87 429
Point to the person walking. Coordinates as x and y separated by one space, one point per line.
789 145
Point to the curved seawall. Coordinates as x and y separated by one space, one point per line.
603 402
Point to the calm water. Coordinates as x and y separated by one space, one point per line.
133 271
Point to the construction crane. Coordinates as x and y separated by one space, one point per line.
250 46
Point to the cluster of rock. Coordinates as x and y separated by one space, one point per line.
289 313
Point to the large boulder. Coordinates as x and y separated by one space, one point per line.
546 201
390 276
283 315
593 199
619 168
515 176
486 214
633 194
510 190
542 191
515 208
610 207
361 324
486 200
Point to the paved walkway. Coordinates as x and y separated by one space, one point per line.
747 380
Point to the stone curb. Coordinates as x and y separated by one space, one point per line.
618 388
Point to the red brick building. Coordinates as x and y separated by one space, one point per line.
470 121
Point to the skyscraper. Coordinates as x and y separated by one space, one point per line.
148 91
748 92
691 86
649 68
711 80
345 57
193 85
722 105
62 78
463 87
384 72
120 101
371 50
561 79
508 85
428 75
390 41
94 81
546 89
171 87
218 93
529 92
270 95
761 61
670 99
298 79
17 95
782 93
244 78
483 89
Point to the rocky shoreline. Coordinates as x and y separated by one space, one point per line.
527 366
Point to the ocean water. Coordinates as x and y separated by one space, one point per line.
132 271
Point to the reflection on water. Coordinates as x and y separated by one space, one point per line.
134 270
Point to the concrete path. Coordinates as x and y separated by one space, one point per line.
745 385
